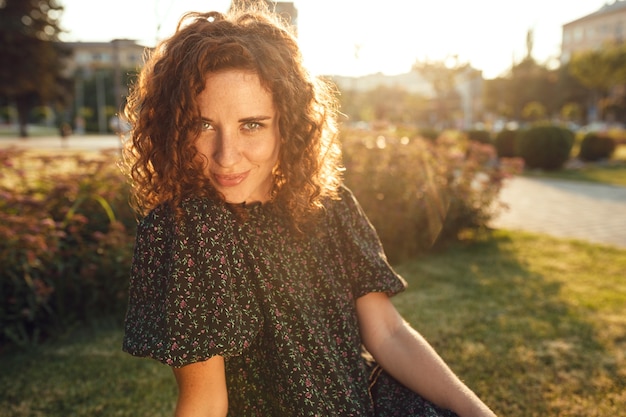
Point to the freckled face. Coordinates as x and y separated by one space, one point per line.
240 138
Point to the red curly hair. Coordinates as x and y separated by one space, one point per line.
160 157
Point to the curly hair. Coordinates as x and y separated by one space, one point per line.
160 157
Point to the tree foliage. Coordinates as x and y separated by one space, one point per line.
573 96
527 82
32 55
393 104
600 68
528 91
442 76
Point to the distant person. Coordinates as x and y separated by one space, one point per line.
256 275
65 130
79 123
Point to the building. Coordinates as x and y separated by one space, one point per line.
606 25
285 9
127 54
90 56
93 61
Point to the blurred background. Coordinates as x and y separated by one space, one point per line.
467 125
487 64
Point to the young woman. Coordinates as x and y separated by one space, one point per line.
256 275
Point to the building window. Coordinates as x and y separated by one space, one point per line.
101 57
567 36
83 57
578 34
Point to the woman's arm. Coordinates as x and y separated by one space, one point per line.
202 389
408 357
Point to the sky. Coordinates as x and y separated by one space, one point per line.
389 35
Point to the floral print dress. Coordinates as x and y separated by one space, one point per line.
279 308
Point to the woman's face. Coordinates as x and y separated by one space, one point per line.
240 137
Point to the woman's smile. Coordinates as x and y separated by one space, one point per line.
230 180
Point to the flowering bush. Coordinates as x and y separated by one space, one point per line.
421 194
65 242
67 232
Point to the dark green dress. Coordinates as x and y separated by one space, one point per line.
279 308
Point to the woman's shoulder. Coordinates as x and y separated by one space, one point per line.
343 203
346 193
190 213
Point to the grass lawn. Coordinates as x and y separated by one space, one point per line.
84 375
535 325
613 172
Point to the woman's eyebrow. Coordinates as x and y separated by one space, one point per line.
254 119
242 120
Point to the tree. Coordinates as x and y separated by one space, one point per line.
600 70
534 111
394 104
594 69
527 83
32 54
572 96
442 76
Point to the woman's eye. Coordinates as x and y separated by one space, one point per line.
252 126
206 125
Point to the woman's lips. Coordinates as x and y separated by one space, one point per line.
230 180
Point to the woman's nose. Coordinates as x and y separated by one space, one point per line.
227 152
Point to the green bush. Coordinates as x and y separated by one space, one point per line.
480 136
429 133
546 147
505 143
421 195
66 236
596 146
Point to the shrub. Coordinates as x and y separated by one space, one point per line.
429 133
505 143
66 235
420 194
545 146
480 136
596 146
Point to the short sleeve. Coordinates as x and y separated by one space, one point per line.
366 262
189 295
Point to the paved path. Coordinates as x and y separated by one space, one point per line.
570 209
73 142
591 212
